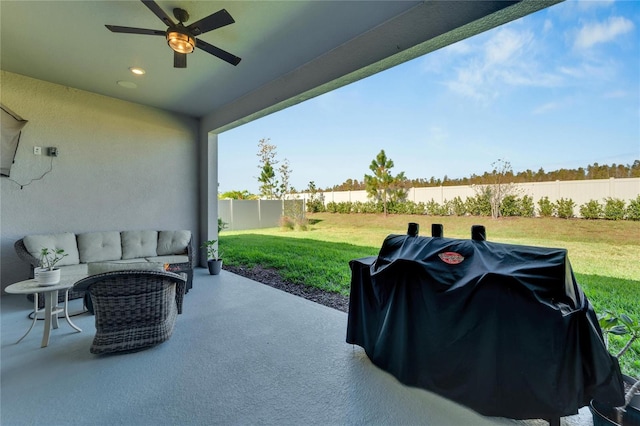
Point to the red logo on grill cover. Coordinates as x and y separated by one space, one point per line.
451 257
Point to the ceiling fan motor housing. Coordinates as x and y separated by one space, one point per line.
181 15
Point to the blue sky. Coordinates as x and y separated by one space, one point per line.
556 89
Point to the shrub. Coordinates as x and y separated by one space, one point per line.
315 206
633 209
564 208
480 205
545 207
302 224
432 208
510 206
527 209
458 206
614 209
287 223
591 210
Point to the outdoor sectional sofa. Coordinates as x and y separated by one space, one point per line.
172 248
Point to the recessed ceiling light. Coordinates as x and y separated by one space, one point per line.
137 71
127 84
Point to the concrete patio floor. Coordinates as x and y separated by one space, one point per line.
241 353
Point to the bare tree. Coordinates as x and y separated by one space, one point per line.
270 187
501 186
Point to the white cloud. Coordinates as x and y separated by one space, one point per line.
508 58
505 45
548 25
595 33
548 107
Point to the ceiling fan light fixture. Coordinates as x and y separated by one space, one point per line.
180 41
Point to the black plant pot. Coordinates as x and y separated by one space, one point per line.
214 266
603 414
632 416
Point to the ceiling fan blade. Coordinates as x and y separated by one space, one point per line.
179 60
215 51
216 20
130 30
153 6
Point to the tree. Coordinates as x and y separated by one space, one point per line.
268 182
382 185
270 187
501 185
237 195
285 174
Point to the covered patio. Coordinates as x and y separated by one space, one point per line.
241 353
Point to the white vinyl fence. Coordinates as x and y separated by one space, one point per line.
580 191
254 214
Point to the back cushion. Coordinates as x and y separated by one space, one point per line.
173 242
99 246
65 241
139 244
101 267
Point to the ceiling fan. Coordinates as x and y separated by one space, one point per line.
183 39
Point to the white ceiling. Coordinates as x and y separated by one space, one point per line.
290 50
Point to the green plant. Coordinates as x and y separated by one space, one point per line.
591 210
458 206
621 325
222 225
49 257
510 206
565 208
527 208
212 249
545 207
614 209
633 209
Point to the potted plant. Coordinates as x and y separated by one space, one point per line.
214 261
47 273
629 413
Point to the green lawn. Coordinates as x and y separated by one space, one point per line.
605 255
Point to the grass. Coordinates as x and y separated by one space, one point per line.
605 255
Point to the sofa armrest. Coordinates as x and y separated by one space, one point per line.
23 254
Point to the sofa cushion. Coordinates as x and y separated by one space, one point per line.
168 259
173 242
65 241
99 246
139 244
77 270
102 267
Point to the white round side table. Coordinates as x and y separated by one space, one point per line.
51 308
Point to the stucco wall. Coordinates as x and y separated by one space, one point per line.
121 166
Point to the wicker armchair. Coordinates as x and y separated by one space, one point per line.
134 309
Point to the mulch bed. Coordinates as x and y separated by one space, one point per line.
272 278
